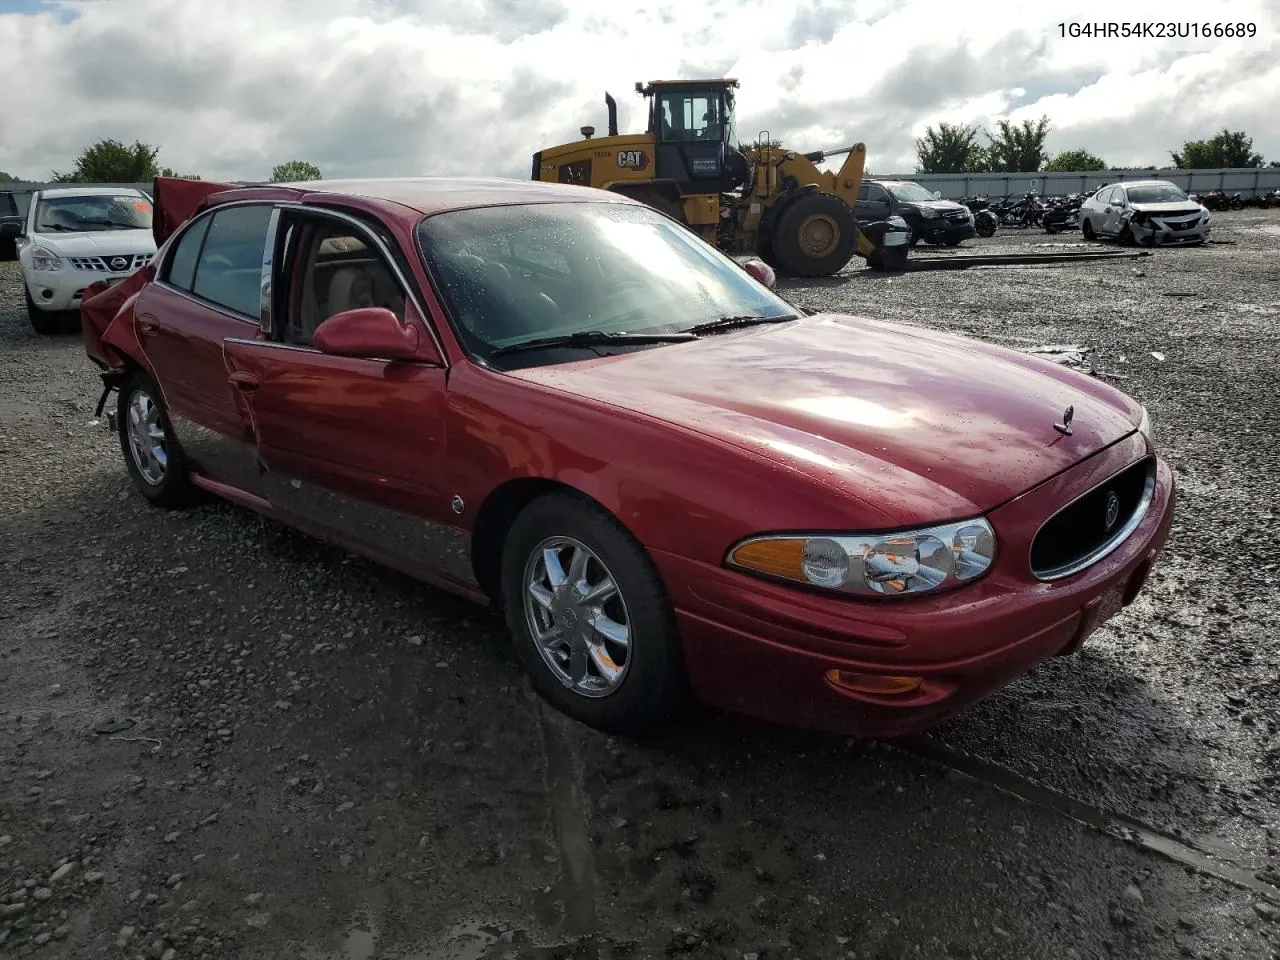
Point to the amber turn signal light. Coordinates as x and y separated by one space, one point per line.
874 683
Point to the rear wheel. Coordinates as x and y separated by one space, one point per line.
1086 227
589 616
815 236
151 452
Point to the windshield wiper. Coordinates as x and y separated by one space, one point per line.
750 320
593 338
111 223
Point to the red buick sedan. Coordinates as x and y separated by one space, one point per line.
670 479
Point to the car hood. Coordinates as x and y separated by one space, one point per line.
1172 206
923 426
97 243
942 206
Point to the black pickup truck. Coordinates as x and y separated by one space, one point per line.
11 221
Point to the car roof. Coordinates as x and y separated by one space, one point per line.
428 195
1144 183
92 192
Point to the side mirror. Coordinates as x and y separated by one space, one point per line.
937 194
762 272
370 332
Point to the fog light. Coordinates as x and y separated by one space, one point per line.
873 683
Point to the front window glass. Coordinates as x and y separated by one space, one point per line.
1156 193
910 192
94 212
692 116
515 273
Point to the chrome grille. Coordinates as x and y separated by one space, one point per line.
1095 523
122 263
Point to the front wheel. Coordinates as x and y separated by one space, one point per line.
590 617
815 236
43 322
151 452
1086 227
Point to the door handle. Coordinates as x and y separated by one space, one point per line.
148 327
244 380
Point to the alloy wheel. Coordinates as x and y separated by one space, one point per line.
577 616
147 439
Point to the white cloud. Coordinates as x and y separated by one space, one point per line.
381 87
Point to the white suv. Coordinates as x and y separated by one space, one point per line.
75 236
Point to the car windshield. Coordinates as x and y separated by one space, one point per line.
512 274
1156 193
910 192
93 212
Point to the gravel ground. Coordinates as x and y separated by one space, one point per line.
222 739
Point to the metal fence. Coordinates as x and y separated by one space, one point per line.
1249 181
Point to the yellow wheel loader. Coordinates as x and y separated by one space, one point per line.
763 200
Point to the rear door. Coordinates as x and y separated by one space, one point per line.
352 446
207 290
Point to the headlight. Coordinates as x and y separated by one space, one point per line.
1144 425
42 259
929 213
874 565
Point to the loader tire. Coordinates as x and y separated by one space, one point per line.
816 236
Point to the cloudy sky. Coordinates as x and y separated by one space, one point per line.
426 87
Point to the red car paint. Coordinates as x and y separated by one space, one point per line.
826 423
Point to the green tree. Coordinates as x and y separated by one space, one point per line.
979 161
1226 148
1018 148
1274 164
1070 161
948 149
110 161
6 178
170 172
295 171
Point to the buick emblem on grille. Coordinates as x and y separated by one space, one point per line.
1064 427
119 263
1113 510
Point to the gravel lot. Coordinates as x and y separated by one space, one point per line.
222 739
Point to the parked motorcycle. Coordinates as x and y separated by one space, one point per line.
1271 198
1062 214
1023 212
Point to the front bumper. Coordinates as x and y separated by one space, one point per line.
1159 231
762 649
946 231
63 289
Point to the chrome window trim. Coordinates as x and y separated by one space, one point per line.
268 268
1108 546
411 291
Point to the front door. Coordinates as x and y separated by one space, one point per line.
208 289
352 446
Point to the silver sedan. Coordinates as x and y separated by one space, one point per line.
1144 211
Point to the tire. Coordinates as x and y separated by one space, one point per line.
1086 227
652 684
1126 236
173 488
828 247
43 322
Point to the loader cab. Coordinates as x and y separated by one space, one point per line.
695 136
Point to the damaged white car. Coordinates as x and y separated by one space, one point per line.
1144 211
